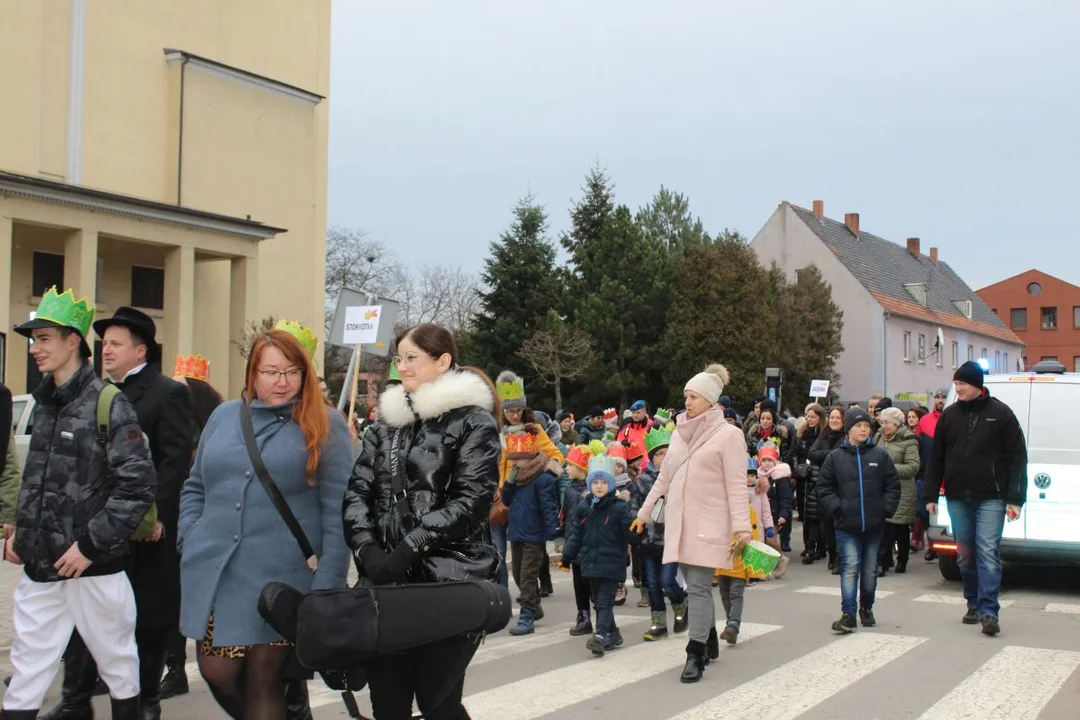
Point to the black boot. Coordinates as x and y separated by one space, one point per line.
175 681
125 709
695 662
712 646
18 714
296 699
80 674
151 667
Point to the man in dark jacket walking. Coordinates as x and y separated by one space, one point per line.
163 408
858 487
980 455
85 489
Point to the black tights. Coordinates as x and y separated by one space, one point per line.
248 688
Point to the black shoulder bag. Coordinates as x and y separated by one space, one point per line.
451 562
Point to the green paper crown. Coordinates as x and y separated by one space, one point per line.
656 438
394 376
64 309
663 415
303 335
508 391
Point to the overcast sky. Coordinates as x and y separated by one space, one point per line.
956 122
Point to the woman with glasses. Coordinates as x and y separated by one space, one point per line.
233 540
438 430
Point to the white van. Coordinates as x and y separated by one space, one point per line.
1048 529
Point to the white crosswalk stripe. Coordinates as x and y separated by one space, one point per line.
1069 608
1015 684
834 591
941 599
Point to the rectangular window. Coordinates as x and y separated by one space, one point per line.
922 349
1018 318
939 353
147 287
1076 363
971 352
1045 358
984 354
955 355
1005 363
907 346
1049 318
48 271
1076 317
997 361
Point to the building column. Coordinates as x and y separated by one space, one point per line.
5 293
81 263
179 336
243 301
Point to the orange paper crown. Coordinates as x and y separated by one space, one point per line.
635 451
521 443
616 450
578 456
195 367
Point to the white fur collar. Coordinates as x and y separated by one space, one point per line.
453 390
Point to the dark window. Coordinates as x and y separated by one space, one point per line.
1076 317
1049 318
147 287
1018 318
48 271
1034 289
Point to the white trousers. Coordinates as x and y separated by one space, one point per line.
101 608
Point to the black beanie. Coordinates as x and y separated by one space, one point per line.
853 417
971 373
883 403
596 411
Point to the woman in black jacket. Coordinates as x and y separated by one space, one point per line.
447 438
831 437
806 499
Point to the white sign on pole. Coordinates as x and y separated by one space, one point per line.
819 388
362 324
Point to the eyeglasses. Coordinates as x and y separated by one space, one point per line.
407 359
292 375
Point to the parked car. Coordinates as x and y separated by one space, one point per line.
1048 529
22 421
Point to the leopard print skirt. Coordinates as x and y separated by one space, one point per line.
235 652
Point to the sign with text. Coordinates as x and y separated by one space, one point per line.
362 324
819 388
351 300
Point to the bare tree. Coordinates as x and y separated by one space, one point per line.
444 295
252 330
557 354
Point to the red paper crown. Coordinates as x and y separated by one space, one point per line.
635 451
616 450
610 414
521 443
578 456
768 450
195 367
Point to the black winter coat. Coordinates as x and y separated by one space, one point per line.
825 444
653 539
450 449
980 452
77 486
781 501
163 407
600 538
859 487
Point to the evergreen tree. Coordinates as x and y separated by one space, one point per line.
667 221
588 218
521 281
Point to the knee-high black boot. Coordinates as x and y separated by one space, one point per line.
80 674
151 667
296 699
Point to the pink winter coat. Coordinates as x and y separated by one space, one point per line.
706 495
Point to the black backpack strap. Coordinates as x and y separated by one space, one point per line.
272 489
397 482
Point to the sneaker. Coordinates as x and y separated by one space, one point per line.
781 567
866 617
808 560
620 594
614 639
990 625
846 624
644 602
583 625
730 635
971 617
597 645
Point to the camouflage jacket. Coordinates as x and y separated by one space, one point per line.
78 487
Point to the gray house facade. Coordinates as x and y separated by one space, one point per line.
909 320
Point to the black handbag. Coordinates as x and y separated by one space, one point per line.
801 471
458 561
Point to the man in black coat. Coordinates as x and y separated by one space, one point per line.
163 406
980 453
858 487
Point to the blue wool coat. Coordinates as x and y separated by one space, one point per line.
534 513
231 538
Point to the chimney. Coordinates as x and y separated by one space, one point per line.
819 209
933 254
852 222
913 246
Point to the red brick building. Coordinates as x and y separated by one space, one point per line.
1043 311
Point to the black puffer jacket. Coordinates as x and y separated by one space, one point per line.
77 486
451 448
825 444
653 539
859 487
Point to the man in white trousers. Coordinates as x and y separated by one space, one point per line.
86 486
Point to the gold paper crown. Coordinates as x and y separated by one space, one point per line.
521 443
513 390
303 335
64 309
194 367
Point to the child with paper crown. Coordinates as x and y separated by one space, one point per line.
577 467
780 490
660 579
599 542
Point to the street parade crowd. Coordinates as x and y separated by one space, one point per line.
151 511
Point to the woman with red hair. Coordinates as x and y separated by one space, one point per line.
233 540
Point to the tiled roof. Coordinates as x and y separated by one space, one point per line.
884 268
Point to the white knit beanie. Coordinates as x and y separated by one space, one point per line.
709 384
892 414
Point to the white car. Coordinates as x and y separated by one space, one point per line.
22 421
1048 529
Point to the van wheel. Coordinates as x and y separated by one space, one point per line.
950 569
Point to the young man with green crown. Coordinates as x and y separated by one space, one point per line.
86 487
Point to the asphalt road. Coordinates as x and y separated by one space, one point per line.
919 662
